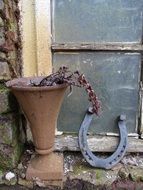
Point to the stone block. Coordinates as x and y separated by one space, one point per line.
10 141
1 4
8 102
4 71
8 129
4 105
2 56
1 22
2 35
26 183
9 156
136 173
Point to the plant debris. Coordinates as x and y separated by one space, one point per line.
65 76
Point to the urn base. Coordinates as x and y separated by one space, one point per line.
46 168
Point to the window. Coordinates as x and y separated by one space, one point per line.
103 39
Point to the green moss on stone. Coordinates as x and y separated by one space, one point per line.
8 101
3 87
10 161
18 152
99 174
78 169
5 162
135 173
5 139
11 145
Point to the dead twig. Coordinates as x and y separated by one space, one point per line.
65 76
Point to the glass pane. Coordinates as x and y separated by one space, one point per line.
97 20
115 78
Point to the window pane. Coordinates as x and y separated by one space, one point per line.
97 20
115 77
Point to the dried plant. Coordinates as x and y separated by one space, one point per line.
65 76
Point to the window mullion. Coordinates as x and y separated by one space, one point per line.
131 47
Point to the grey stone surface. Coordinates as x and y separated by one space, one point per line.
2 35
1 22
8 129
4 71
131 168
10 55
25 183
1 4
8 102
80 176
10 142
4 103
2 55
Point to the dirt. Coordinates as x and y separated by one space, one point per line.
82 185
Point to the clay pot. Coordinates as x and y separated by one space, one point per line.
41 106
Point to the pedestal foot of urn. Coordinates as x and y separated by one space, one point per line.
46 167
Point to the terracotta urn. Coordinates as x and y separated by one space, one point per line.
41 106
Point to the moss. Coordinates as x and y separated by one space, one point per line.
11 146
5 138
11 104
78 169
6 2
9 129
97 176
5 162
1 173
3 87
17 153
10 161
135 174
12 26
17 142
99 173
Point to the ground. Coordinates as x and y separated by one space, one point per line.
82 185
78 175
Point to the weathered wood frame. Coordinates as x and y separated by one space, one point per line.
98 47
37 58
97 143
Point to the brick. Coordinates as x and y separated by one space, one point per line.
4 71
8 102
10 140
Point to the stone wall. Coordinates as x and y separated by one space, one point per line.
10 67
